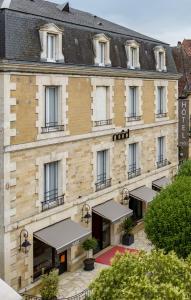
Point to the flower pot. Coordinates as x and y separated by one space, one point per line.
127 239
89 264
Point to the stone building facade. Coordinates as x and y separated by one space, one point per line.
80 58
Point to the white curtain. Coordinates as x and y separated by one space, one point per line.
51 180
51 118
101 103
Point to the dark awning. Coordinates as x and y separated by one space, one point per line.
161 182
62 235
143 193
112 211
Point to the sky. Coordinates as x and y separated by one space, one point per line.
165 20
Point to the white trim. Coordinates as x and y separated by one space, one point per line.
66 139
42 82
97 82
40 161
101 38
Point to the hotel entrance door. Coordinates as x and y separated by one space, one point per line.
101 232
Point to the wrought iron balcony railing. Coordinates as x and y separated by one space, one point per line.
52 127
161 115
103 122
102 182
133 118
162 163
51 199
133 171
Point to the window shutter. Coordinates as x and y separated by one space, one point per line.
137 155
101 104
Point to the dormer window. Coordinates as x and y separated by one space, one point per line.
51 43
132 51
160 58
102 50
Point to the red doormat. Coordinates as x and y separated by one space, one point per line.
106 257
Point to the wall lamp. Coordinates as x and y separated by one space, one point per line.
25 245
86 216
125 196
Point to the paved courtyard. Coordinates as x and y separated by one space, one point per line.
72 283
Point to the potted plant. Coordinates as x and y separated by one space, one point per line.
89 245
49 285
127 237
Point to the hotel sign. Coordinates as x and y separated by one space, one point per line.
183 132
121 135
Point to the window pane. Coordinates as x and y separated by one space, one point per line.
51 110
51 180
51 40
133 102
133 157
102 165
102 53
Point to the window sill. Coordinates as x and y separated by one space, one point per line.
161 119
133 123
102 128
52 134
50 129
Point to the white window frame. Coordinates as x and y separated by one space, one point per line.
160 50
62 177
138 83
163 150
164 84
102 82
107 166
51 58
101 38
44 31
139 141
96 148
61 82
130 46
59 108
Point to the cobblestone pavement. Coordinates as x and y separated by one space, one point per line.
72 283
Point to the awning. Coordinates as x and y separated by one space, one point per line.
161 182
112 211
62 235
6 292
143 193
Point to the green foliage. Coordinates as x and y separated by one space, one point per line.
127 225
168 219
49 285
153 276
89 244
185 169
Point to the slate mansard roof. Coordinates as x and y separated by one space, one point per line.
20 41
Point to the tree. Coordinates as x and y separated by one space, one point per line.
144 276
168 219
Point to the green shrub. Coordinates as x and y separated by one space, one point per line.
127 225
185 169
168 218
144 276
89 244
49 285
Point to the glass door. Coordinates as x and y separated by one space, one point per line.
105 233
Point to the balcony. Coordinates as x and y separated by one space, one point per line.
51 200
52 127
103 123
102 182
161 115
162 162
133 117
133 171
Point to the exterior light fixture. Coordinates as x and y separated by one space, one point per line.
125 196
25 245
86 216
